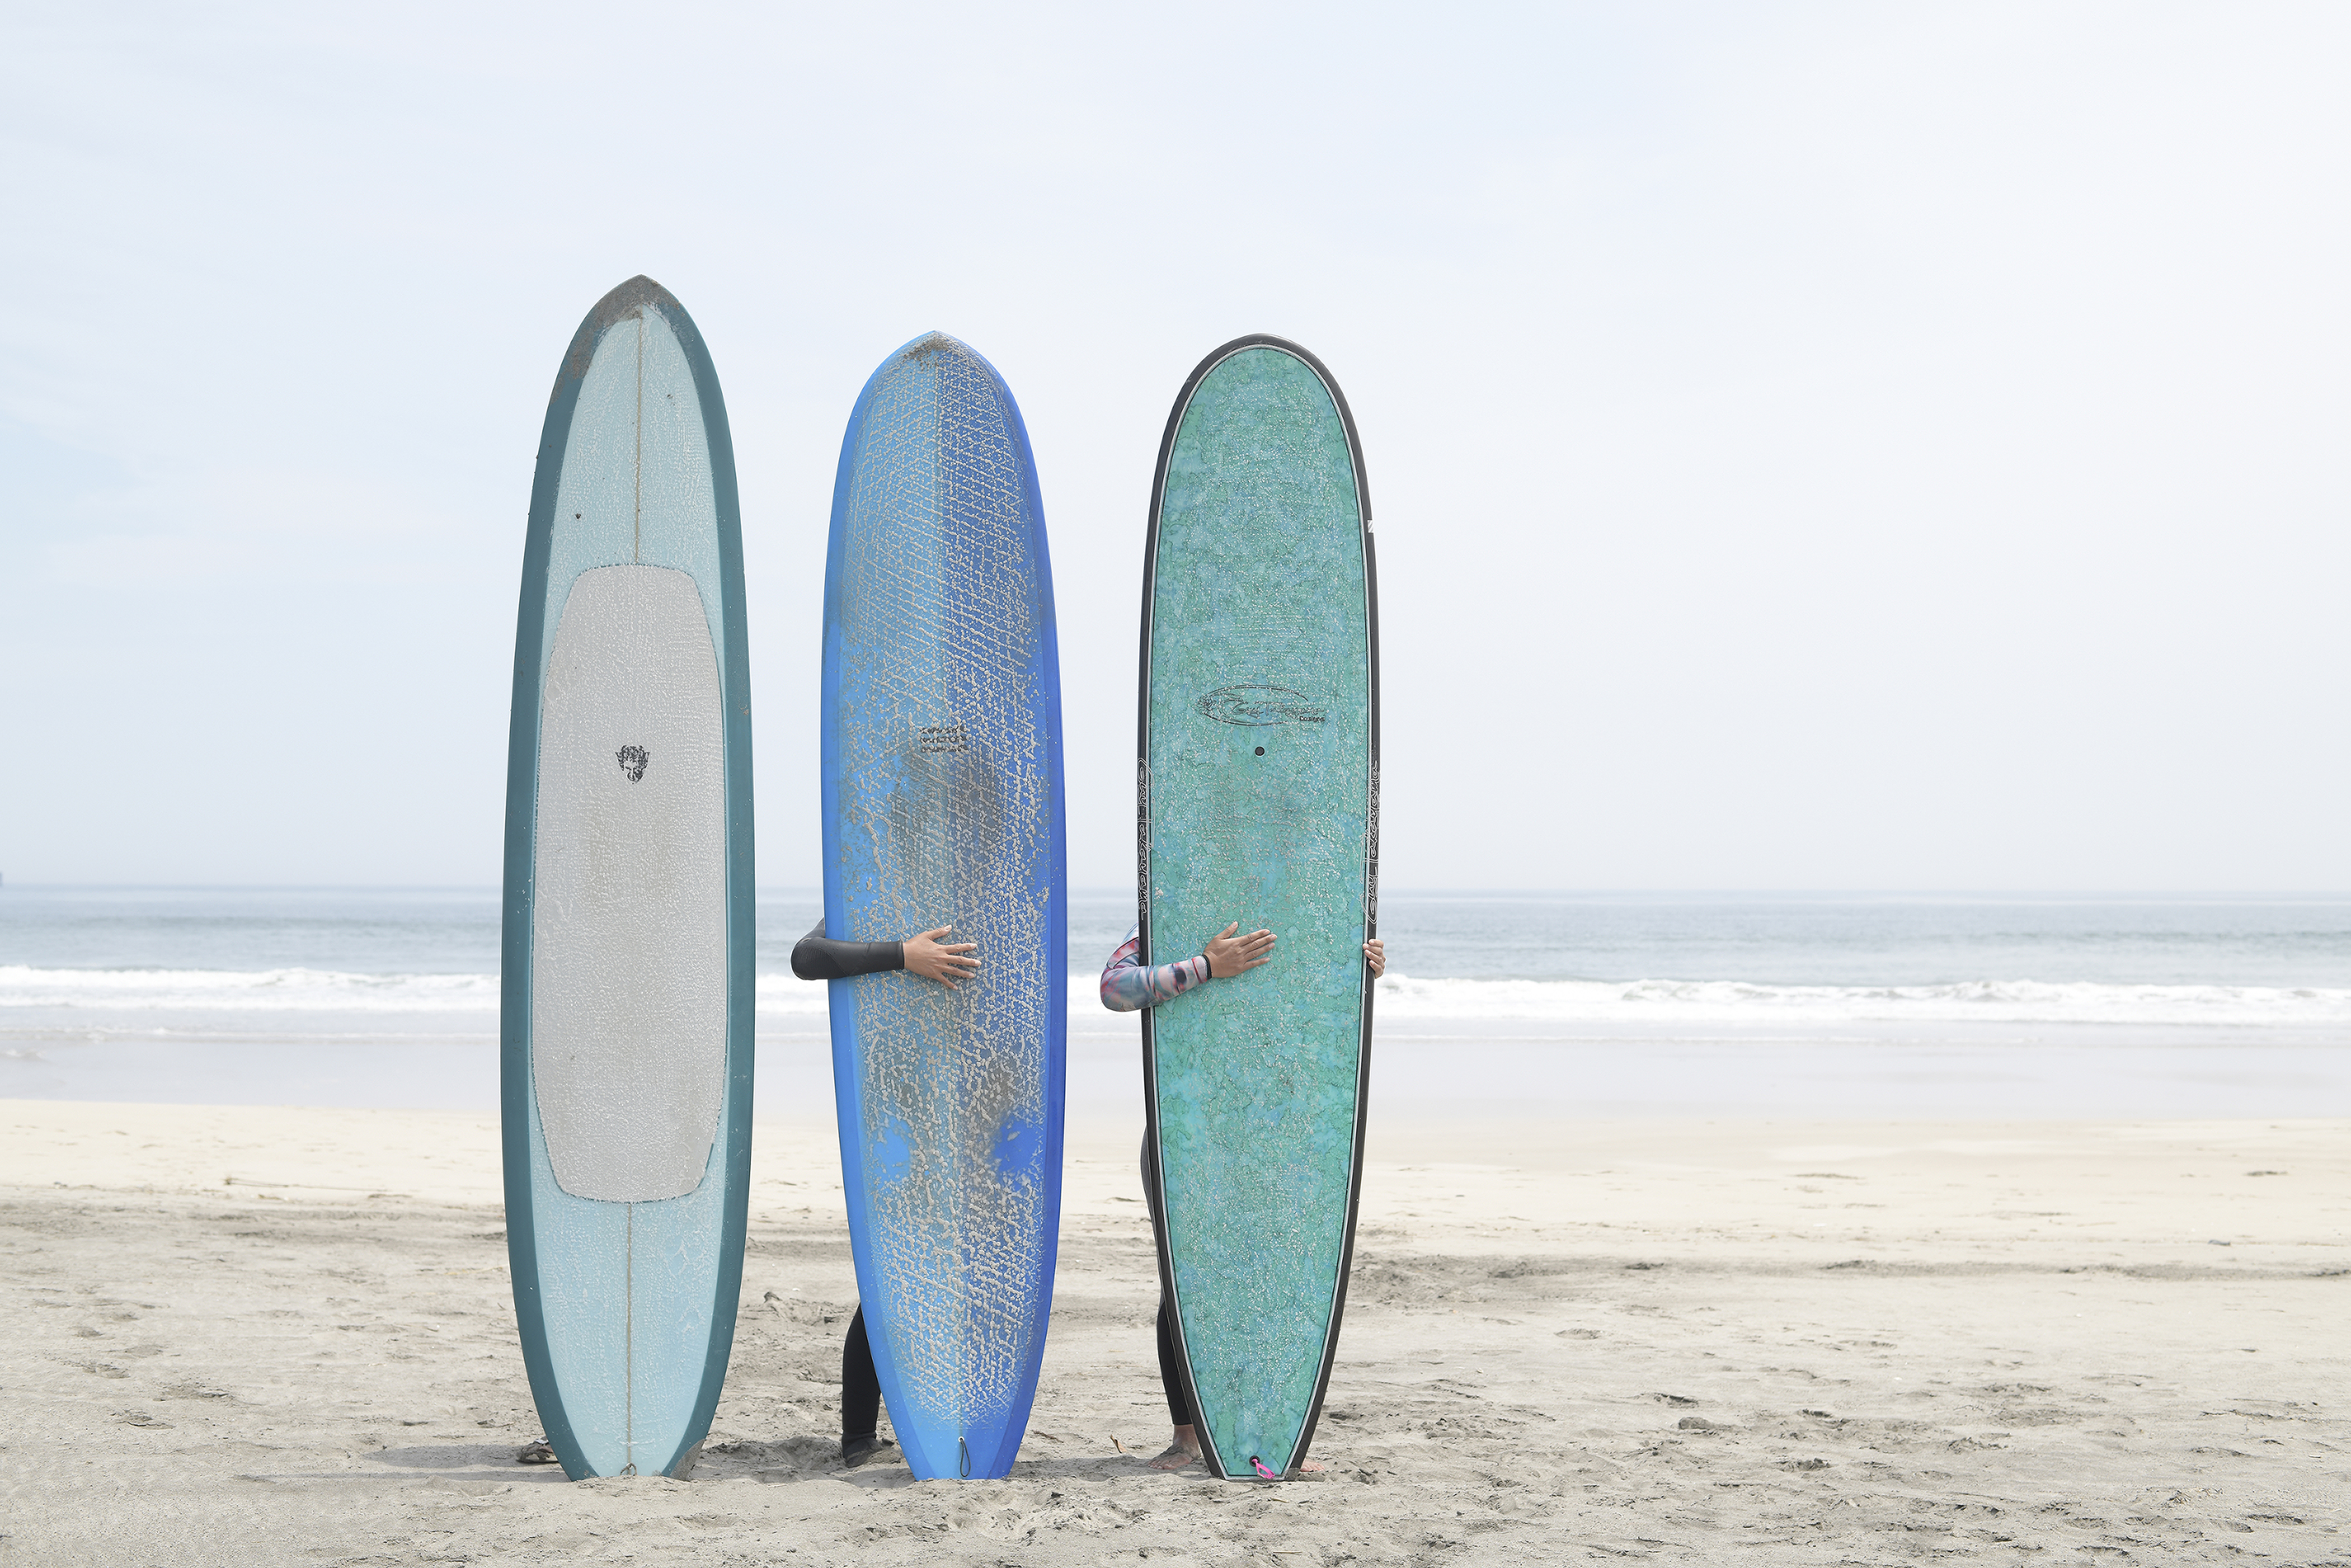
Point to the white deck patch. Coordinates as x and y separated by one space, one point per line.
629 924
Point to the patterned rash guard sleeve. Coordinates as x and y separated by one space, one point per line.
1128 987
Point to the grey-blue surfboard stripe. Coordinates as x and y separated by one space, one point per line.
943 806
1257 801
625 1021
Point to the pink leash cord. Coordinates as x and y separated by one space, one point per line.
1265 1473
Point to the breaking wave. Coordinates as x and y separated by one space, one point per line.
1400 997
1740 1001
245 990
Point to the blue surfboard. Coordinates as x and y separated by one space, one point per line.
943 807
626 1017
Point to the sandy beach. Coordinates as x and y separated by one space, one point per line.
248 1335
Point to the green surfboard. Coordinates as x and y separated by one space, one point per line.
1259 802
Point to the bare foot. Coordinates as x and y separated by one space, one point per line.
1183 1451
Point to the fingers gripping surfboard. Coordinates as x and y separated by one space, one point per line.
1259 802
943 807
626 1018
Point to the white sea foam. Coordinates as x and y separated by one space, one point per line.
244 990
298 990
1400 998
789 996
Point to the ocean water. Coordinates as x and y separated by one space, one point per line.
1587 1004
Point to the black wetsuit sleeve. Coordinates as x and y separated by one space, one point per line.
818 957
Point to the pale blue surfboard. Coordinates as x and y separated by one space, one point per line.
626 1020
1260 802
943 807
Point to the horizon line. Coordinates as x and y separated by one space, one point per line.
1113 891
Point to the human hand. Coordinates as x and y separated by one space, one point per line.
1377 956
1229 955
945 963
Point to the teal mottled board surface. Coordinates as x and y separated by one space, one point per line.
1258 803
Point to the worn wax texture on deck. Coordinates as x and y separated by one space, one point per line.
1260 638
944 747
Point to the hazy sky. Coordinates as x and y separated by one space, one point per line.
1811 446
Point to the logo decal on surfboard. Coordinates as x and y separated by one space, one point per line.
1257 706
632 762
